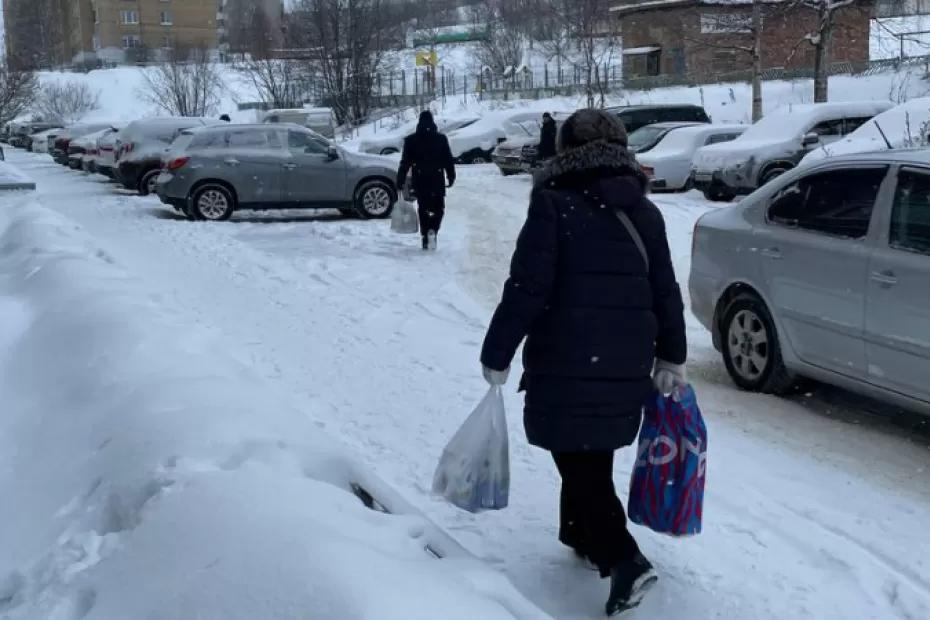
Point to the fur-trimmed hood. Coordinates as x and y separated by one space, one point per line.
606 169
596 159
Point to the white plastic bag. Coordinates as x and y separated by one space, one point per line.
474 471
404 218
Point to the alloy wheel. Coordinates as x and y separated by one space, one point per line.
748 344
213 204
376 201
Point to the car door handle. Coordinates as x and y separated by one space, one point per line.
231 162
288 166
773 253
886 278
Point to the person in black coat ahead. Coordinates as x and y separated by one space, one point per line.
547 137
604 327
427 154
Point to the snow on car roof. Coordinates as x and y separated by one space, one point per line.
792 120
905 126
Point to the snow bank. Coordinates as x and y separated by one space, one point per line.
147 474
12 177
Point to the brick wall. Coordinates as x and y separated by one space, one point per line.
695 39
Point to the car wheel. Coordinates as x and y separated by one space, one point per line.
751 350
480 157
147 182
718 193
214 203
773 173
389 151
374 199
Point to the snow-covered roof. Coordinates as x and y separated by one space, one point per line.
635 51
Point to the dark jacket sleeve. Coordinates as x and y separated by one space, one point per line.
671 343
406 160
527 290
448 160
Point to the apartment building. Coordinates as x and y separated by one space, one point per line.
129 30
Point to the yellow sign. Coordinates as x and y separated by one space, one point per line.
427 58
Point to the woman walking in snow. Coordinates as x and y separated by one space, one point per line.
593 291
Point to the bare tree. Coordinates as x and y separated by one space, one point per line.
280 83
186 84
36 28
66 102
742 34
17 92
347 41
502 46
596 36
823 16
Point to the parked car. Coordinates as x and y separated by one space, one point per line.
320 120
45 139
636 116
21 133
645 138
214 171
903 126
81 147
106 153
667 163
475 143
63 140
520 151
142 144
823 273
393 141
775 145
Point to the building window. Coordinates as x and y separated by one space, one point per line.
726 23
166 42
166 18
129 17
132 41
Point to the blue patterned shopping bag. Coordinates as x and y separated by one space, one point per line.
667 486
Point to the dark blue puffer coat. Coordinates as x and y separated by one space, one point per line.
579 291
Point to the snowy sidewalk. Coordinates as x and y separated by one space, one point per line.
147 475
377 343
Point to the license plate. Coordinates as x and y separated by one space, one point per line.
703 177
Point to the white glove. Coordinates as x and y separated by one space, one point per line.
495 377
668 376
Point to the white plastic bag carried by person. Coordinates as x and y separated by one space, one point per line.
474 471
404 218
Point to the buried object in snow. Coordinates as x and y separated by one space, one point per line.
667 486
474 471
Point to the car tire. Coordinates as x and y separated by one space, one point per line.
773 173
213 202
509 173
374 200
389 151
751 349
718 193
147 182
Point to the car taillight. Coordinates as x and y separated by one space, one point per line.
177 163
106 149
128 147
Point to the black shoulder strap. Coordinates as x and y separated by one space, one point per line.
637 239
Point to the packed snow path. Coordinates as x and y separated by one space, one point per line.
807 515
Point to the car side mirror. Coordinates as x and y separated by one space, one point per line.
811 139
332 153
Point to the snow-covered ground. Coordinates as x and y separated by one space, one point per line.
205 374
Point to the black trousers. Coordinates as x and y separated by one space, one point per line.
592 519
431 210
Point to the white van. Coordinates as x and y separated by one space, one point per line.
320 120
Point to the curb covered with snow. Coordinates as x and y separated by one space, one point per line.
145 473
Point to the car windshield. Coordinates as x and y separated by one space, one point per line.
529 128
645 138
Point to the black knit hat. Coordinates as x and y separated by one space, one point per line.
426 122
591 125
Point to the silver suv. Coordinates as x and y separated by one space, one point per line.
208 173
824 273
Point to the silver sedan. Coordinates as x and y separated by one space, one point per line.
824 273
